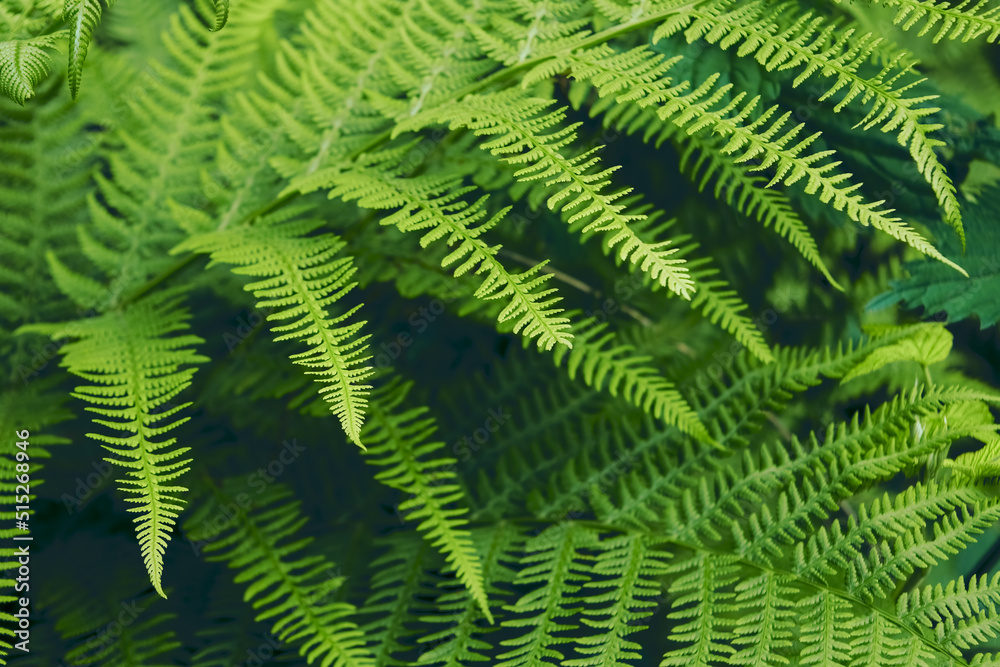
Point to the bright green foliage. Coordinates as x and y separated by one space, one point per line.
436 204
23 64
810 45
724 460
83 17
136 367
301 280
619 369
527 136
398 443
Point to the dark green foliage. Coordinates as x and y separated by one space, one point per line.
938 293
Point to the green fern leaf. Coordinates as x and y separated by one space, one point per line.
296 590
137 368
436 204
398 442
533 140
301 278
23 64
83 17
639 76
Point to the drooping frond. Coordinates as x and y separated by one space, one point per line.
437 205
640 76
463 639
528 136
23 64
814 47
703 161
136 367
713 296
302 276
83 17
293 590
398 442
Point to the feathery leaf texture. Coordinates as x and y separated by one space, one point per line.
602 361
302 277
526 135
750 507
436 204
942 291
834 51
398 442
23 64
297 590
640 76
83 17
137 368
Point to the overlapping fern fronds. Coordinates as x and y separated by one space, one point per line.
436 204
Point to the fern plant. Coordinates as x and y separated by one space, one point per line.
735 452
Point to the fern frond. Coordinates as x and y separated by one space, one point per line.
146 640
553 562
336 78
397 441
462 640
83 17
302 276
933 605
633 564
605 364
436 204
398 578
136 368
639 76
527 136
819 48
702 159
437 56
766 632
702 605
532 30
965 20
23 64
295 589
